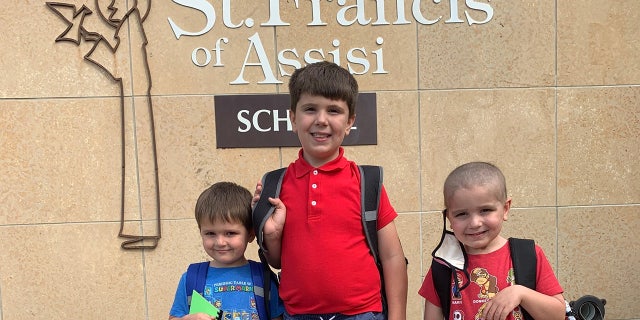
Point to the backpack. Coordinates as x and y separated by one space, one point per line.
370 186
197 275
523 257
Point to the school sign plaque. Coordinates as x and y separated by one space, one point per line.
257 121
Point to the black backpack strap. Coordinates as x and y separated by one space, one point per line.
370 188
271 184
370 185
525 264
441 275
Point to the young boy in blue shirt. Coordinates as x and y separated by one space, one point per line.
223 214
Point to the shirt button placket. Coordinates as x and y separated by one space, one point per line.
313 194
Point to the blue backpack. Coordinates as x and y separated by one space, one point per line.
197 276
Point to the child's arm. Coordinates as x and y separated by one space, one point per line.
539 305
395 271
431 311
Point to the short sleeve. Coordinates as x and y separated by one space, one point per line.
428 290
180 307
386 212
546 281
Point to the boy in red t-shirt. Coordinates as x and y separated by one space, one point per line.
476 203
318 241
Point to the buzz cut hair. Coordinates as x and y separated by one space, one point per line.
474 174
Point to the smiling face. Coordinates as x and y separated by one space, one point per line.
225 242
476 216
321 124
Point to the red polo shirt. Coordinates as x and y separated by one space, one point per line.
326 264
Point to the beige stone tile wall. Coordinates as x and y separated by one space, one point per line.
547 90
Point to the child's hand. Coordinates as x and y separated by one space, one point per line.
198 316
272 232
502 304
256 194
275 224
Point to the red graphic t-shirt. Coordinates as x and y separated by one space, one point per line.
489 273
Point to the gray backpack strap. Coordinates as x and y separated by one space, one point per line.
271 185
370 185
370 189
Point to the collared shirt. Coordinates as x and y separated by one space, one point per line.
326 264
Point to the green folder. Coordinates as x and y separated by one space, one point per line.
200 305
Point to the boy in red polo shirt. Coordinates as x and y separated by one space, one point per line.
318 241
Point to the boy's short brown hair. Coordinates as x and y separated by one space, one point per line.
225 202
325 79
475 174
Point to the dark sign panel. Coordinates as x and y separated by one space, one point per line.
253 121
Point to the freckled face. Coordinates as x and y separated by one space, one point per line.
225 242
321 125
476 218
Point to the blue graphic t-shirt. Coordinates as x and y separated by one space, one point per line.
230 290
